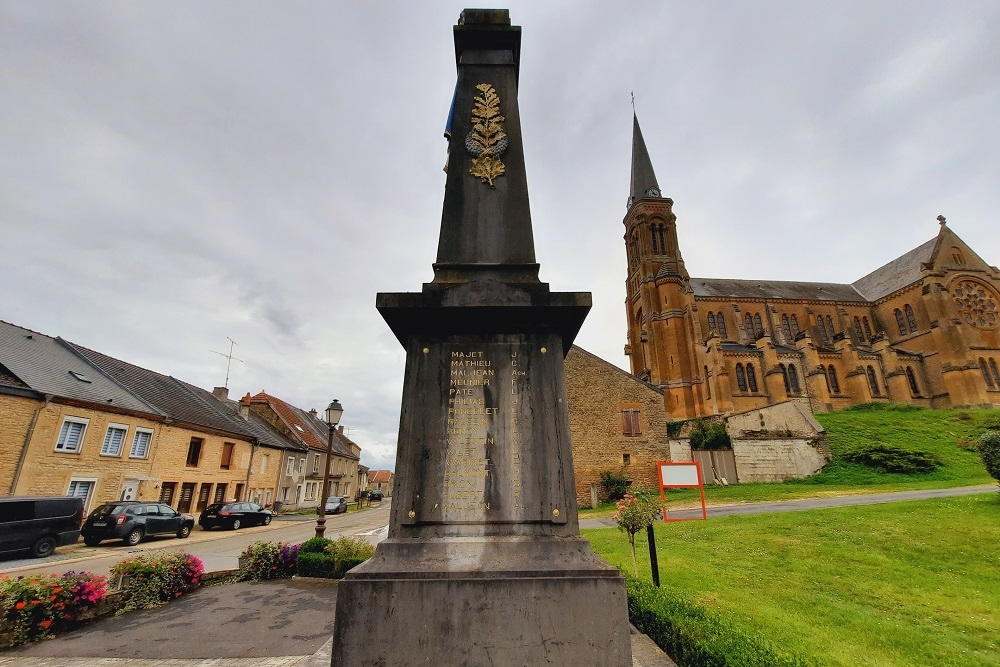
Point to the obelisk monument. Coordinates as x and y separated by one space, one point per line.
483 564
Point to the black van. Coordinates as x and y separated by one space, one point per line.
39 524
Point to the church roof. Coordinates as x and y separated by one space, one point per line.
643 185
716 288
897 274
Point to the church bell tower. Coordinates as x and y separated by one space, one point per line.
658 301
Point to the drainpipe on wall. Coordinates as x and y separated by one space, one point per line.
27 442
246 487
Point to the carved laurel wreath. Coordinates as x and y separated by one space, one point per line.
487 141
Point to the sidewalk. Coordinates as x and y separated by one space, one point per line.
247 624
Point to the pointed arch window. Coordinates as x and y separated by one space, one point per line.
721 321
832 374
711 321
659 246
793 379
786 327
741 377
708 383
996 372
873 382
829 327
985 370
857 329
912 379
868 329
748 323
957 256
900 322
784 376
826 377
911 320
758 325
795 326
652 234
751 378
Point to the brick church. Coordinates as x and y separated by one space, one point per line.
922 329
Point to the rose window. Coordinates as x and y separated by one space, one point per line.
976 303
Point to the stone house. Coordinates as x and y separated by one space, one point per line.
922 329
302 473
381 480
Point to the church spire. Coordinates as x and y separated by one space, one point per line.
644 184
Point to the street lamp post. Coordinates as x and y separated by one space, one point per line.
333 413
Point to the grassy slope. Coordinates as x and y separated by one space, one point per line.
946 433
914 583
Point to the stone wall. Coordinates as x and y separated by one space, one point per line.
597 392
16 413
776 460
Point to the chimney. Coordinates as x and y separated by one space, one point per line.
245 410
340 429
313 413
221 393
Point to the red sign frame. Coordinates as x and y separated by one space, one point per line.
664 486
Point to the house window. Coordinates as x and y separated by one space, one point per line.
748 323
786 327
302 465
220 493
227 455
795 325
868 328
721 321
114 439
630 422
290 466
626 459
914 390
900 322
793 379
741 377
140 443
873 382
751 378
71 434
315 464
194 453
81 488
834 384
911 320
857 329
711 321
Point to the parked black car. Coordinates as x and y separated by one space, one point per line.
132 520
233 515
375 495
334 505
39 524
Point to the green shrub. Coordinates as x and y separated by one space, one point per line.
709 435
314 545
351 548
891 458
879 406
150 579
694 636
989 450
312 564
337 557
674 429
615 484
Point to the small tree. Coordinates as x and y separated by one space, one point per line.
615 484
989 450
709 435
636 511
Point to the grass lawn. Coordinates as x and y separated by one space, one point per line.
912 583
948 434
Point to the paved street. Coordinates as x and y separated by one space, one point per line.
218 549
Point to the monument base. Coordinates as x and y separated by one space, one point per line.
496 602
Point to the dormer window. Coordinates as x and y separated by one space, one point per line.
80 376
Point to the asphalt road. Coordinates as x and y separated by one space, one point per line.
218 549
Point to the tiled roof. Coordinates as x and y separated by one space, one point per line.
375 476
308 429
47 365
265 433
172 397
610 365
897 274
8 379
726 288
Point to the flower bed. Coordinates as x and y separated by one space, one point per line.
150 579
42 606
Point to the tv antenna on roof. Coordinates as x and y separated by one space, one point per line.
229 359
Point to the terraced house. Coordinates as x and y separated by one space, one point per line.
74 421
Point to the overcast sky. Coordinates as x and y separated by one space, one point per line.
173 174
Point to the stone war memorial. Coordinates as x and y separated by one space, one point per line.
484 564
